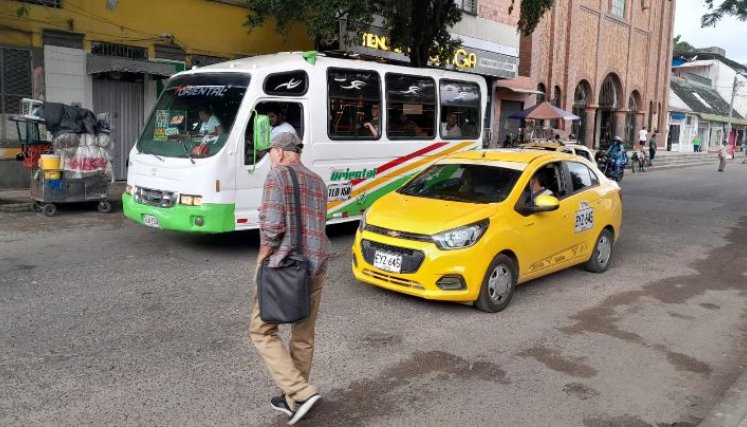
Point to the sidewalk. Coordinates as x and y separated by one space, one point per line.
19 200
732 410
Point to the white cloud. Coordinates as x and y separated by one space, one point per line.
729 34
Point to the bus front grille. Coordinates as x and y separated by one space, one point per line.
160 198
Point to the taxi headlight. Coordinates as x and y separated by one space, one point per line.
461 237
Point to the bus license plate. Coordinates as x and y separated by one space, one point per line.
151 221
388 262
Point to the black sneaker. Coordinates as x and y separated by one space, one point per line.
279 404
303 408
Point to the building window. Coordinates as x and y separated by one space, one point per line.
49 3
617 8
542 95
119 50
15 84
469 6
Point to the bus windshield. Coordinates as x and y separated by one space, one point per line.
194 115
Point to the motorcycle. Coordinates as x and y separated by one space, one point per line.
612 168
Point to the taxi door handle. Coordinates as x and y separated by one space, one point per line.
528 224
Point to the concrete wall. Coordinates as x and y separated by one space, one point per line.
65 76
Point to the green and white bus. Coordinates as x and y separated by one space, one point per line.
200 162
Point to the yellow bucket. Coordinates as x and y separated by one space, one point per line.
50 163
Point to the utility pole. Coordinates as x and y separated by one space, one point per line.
734 88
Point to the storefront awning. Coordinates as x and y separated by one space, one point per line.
722 119
520 84
103 64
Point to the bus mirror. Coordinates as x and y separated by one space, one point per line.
261 132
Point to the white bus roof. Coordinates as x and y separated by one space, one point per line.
295 60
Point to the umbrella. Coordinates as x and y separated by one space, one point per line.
544 111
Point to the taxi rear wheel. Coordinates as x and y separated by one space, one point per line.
498 285
602 253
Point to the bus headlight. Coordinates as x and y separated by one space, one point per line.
189 200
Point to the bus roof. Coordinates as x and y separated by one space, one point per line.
295 60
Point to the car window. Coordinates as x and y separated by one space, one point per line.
584 154
467 183
581 176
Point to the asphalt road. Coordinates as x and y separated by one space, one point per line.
105 322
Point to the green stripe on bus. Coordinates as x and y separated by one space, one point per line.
218 218
355 207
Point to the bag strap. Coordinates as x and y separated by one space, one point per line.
297 198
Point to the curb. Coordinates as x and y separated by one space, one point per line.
732 410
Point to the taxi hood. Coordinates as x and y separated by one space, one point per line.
425 216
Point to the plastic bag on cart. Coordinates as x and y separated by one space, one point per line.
66 140
61 118
86 161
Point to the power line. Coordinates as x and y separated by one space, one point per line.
88 14
64 25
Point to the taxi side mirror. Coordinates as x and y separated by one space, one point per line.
543 203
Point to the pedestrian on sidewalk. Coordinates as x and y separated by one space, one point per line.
652 149
744 148
696 144
642 137
290 367
722 157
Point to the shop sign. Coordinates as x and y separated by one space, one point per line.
465 58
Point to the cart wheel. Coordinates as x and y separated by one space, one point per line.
105 207
50 209
36 206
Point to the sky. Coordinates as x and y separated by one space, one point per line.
729 34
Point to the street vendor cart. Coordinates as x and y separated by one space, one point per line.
71 168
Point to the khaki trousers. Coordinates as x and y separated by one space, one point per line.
290 367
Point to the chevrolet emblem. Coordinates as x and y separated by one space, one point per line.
393 233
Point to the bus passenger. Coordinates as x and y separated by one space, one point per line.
209 124
451 128
279 125
372 125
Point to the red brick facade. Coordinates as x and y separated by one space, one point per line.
621 63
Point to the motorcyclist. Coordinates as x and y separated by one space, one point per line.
616 154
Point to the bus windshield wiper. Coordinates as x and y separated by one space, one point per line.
151 153
184 146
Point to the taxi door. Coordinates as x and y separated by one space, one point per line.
546 236
583 202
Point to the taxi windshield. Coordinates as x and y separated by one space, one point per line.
194 115
468 183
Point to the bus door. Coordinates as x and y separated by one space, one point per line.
267 115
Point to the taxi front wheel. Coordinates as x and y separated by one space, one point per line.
602 253
498 285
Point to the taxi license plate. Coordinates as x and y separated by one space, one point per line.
388 262
151 221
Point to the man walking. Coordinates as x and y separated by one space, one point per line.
722 157
652 149
290 367
642 137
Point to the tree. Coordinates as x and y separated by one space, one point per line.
736 8
419 28
681 45
531 13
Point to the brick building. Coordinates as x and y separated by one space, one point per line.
607 61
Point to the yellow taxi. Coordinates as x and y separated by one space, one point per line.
473 225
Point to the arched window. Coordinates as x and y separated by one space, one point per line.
578 127
608 94
541 96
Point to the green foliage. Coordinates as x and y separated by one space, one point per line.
736 8
681 45
418 27
531 13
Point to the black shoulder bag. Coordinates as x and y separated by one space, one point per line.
285 291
